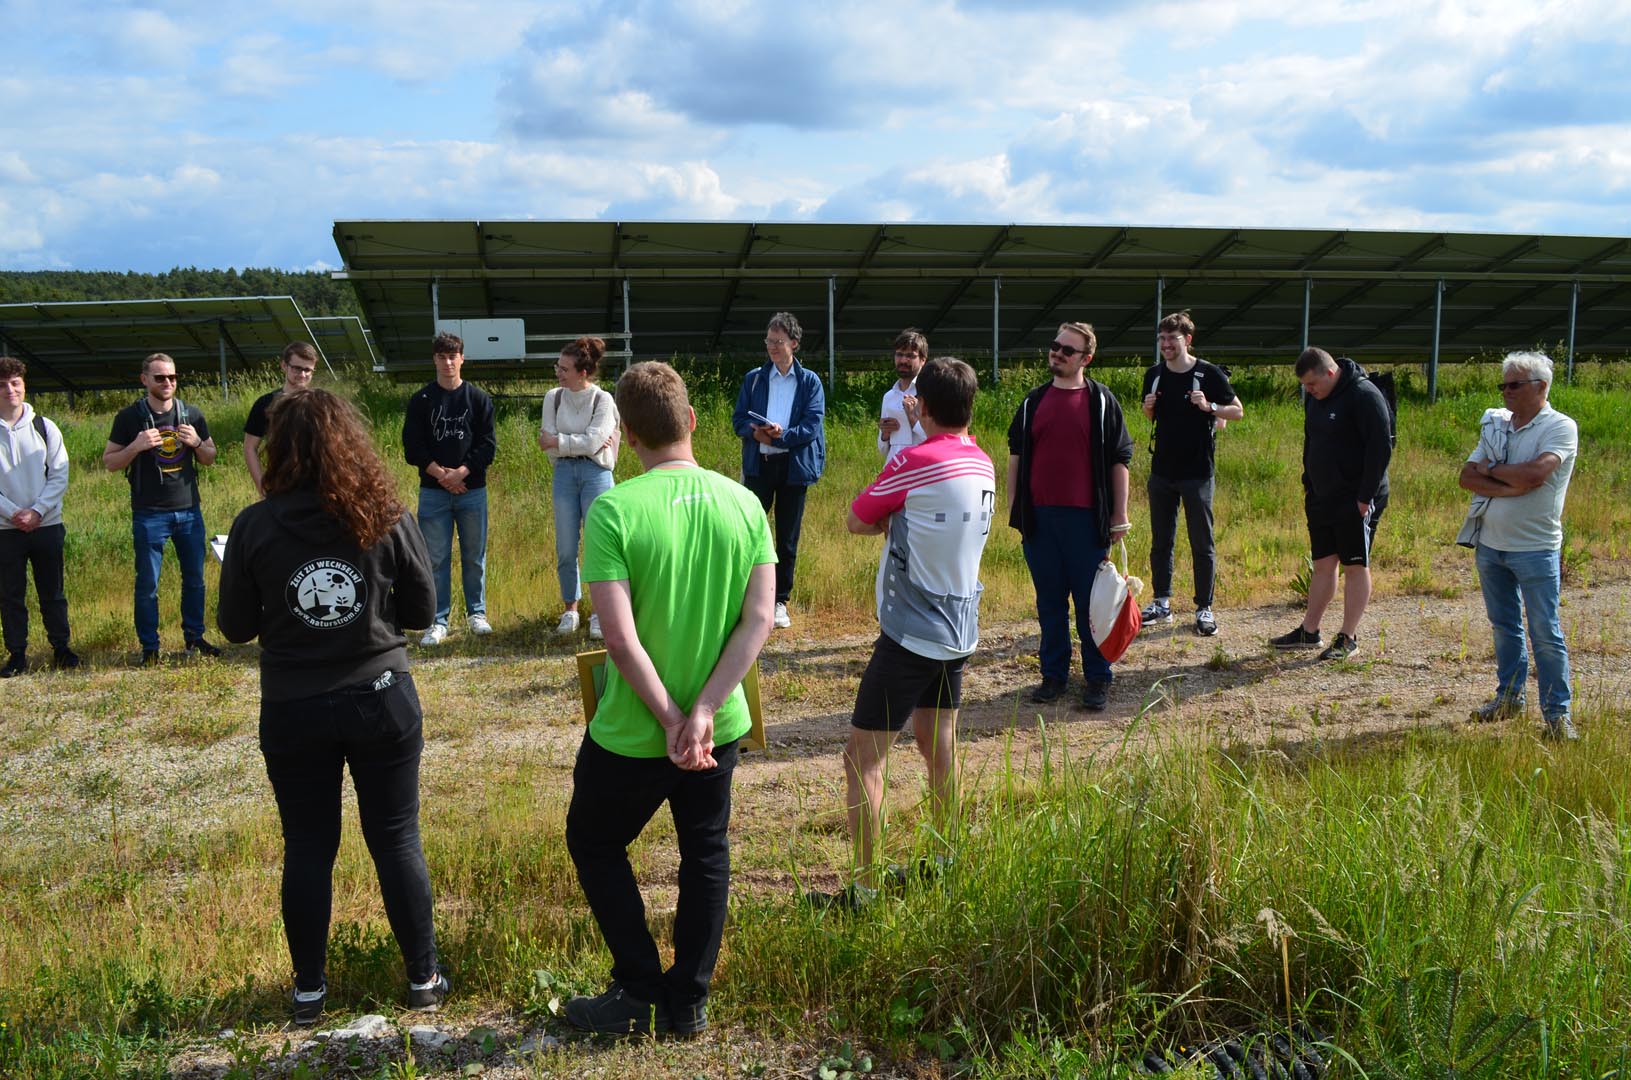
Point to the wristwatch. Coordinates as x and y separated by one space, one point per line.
1213 406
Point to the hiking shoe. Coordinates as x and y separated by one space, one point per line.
594 628
1156 611
852 898
429 997
64 658
782 620
1298 639
686 1020
568 623
200 647
16 665
435 635
1498 707
617 1012
1561 728
307 1004
1206 624
150 658
479 625
1342 647
1049 690
1096 696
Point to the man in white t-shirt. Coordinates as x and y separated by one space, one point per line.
1525 456
934 502
899 425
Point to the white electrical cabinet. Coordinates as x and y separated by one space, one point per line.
488 339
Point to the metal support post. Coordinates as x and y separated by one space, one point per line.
1438 322
1308 300
628 335
832 352
221 344
1160 287
996 325
1574 305
435 302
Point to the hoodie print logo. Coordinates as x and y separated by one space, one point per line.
327 594
445 426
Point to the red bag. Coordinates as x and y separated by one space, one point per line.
1112 609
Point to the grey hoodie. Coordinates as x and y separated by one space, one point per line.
33 471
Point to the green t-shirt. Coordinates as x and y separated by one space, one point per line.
685 539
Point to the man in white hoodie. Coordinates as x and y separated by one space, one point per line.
33 478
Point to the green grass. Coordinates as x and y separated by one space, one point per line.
1099 908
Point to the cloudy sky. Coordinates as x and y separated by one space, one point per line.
222 134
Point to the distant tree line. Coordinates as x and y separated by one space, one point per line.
314 291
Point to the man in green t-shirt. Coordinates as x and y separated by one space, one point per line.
682 571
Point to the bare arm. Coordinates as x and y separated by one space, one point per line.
1118 501
252 460
1013 476
1232 411
691 747
116 457
1508 479
205 452
612 603
861 528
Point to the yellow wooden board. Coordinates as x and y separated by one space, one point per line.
592 682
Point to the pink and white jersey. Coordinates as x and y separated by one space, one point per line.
939 497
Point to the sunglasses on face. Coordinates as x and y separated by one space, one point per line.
164 378
1514 385
1067 351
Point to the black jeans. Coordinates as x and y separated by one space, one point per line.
1196 496
613 797
306 743
772 487
42 547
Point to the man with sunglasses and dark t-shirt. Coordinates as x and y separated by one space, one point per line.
1068 451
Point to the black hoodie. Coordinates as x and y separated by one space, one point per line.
328 614
1347 440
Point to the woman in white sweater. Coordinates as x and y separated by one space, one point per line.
580 434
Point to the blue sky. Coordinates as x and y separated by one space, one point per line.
210 134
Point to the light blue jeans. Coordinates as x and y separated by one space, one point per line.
439 513
149 530
578 482
1518 584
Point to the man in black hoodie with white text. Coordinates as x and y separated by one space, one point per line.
1347 443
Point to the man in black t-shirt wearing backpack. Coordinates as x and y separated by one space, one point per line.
1185 397
158 442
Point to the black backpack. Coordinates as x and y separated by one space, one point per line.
1152 376
1383 381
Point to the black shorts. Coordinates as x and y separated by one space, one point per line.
1335 528
897 681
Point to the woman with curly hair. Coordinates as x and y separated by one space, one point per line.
579 432
327 572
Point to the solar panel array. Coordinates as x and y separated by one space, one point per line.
703 288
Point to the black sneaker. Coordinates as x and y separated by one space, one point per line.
151 658
686 1021
429 998
1298 639
15 666
200 647
64 658
1048 690
617 1012
1497 708
1342 647
1096 696
852 898
1156 611
307 1008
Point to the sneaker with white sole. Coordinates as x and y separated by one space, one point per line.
1342 647
428 997
1156 611
435 635
594 628
479 625
1206 623
782 620
568 623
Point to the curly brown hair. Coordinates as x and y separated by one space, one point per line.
317 439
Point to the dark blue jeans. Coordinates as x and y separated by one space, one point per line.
307 743
772 488
1196 496
1063 552
185 529
613 797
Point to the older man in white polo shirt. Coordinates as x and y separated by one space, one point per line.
1523 462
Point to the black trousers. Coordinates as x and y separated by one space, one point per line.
307 743
43 548
788 499
613 797
1196 496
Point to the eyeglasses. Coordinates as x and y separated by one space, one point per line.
172 377
1067 351
773 343
1515 385
296 369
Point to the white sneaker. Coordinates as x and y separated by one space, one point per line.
568 623
781 621
594 628
435 635
479 625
